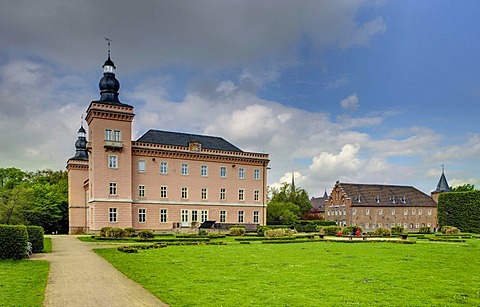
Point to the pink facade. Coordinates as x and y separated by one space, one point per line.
159 185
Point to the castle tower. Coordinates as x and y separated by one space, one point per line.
442 186
77 168
110 175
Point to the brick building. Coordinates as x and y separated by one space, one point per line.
161 181
371 206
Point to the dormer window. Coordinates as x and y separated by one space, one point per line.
377 199
358 199
393 200
404 200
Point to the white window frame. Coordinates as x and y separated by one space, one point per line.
204 170
241 194
204 193
142 166
414 211
204 216
241 173
113 215
194 216
429 212
256 174
141 190
108 136
163 167
113 188
184 193
256 195
367 211
163 215
223 216
241 216
380 211
393 211
184 169
405 211
223 194
420 211
113 161
142 215
117 136
163 192
256 217
223 172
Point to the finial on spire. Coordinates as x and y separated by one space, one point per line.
108 40
81 121
443 168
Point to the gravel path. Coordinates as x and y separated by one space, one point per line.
79 277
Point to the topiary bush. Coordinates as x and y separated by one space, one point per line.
35 236
13 241
381 231
261 230
329 230
237 231
424 229
129 232
396 230
449 230
146 234
281 232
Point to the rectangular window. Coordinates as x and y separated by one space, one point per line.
429 212
417 225
393 211
112 212
163 168
256 174
112 161
108 135
414 211
142 166
367 211
405 225
241 173
367 226
380 211
411 225
163 215
184 169
223 194
255 217
256 195
117 136
204 215
241 194
405 211
204 171
113 188
142 215
204 193
223 216
194 216
184 193
354 211
240 216
184 217
141 191
223 172
163 192
379 225
420 212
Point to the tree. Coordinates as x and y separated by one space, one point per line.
463 188
294 195
282 213
287 205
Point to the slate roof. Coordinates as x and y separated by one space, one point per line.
442 185
387 195
319 202
183 139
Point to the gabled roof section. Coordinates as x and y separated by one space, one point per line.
183 139
385 195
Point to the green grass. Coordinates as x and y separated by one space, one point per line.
309 274
23 283
47 245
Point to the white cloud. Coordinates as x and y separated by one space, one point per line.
350 103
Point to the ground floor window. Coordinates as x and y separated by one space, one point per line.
204 215
255 217
142 215
112 215
240 216
163 215
223 216
184 216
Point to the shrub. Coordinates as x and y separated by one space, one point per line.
449 230
237 231
397 230
202 233
129 232
13 241
382 232
281 232
105 231
35 236
329 230
424 229
146 234
351 230
261 230
110 232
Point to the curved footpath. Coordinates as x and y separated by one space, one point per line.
79 277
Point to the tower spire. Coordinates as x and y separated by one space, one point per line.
108 41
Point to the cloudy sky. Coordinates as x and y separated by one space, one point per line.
356 91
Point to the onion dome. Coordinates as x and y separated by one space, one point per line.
109 85
81 152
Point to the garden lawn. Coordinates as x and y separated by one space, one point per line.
308 274
23 282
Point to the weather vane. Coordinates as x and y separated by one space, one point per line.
108 40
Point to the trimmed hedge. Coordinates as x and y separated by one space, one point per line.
311 225
13 241
460 209
35 236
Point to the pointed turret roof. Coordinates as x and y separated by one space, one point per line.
442 185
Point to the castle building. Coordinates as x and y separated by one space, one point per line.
162 181
372 206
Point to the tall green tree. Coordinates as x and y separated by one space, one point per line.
287 204
463 188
